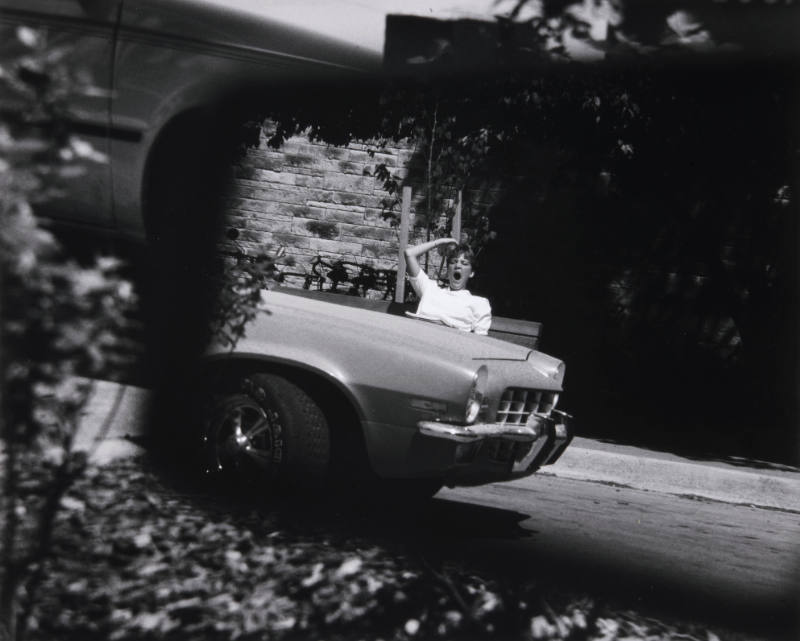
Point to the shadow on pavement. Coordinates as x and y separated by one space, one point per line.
493 543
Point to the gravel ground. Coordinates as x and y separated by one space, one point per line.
138 556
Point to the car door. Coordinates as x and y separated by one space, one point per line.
85 30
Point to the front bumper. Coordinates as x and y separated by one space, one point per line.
489 451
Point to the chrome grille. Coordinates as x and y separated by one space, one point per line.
517 404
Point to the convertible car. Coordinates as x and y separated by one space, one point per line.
315 386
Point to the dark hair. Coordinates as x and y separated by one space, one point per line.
461 249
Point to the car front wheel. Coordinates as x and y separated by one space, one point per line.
266 429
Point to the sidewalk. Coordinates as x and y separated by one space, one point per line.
746 482
751 482
113 414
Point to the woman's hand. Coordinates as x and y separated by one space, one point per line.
452 243
411 253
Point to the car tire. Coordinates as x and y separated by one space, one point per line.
267 430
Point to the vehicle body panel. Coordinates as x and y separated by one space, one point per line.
84 31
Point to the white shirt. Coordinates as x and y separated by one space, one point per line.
455 308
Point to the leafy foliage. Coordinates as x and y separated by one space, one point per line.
459 126
238 283
61 320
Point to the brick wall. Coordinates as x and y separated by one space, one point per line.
311 199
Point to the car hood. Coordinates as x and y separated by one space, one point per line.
314 319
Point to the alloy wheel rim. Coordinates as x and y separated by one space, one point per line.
243 438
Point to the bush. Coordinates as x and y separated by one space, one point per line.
61 320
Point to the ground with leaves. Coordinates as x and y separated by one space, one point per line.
139 556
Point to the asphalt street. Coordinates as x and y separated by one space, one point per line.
729 562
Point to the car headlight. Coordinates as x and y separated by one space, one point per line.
477 393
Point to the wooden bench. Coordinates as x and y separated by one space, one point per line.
513 330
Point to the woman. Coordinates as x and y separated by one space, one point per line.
454 306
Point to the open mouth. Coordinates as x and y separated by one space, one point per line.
456 275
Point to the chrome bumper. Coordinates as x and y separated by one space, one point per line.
548 437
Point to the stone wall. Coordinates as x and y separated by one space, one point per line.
309 200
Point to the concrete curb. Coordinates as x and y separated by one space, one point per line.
589 460
124 407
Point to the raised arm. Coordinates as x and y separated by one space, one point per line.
414 251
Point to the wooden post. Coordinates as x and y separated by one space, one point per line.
457 219
405 214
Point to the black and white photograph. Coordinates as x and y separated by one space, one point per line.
399 320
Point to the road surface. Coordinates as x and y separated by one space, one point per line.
735 563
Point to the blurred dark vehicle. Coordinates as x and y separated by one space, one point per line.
160 73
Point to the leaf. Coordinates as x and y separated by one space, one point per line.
373 584
411 627
541 628
119 616
286 623
29 37
142 540
152 568
78 587
149 621
69 503
608 629
315 577
193 603
349 567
